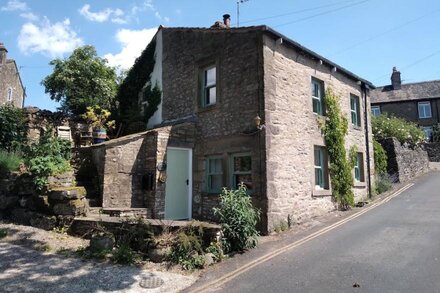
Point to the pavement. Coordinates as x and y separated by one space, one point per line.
24 269
391 245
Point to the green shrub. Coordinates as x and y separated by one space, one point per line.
385 126
9 162
137 234
380 159
216 250
238 218
436 133
50 156
382 184
125 255
12 130
187 249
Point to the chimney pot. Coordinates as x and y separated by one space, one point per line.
227 20
396 81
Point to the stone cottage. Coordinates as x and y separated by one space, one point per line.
12 91
417 102
238 105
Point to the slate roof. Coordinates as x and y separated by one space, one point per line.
408 92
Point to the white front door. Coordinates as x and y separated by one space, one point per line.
178 195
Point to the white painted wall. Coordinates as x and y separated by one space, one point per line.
156 78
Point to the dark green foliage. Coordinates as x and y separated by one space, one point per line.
84 79
436 133
125 255
385 126
50 156
136 78
187 248
335 129
12 130
3 233
136 234
9 162
380 159
382 184
238 218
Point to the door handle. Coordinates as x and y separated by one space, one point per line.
187 182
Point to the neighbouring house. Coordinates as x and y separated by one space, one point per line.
417 102
12 91
237 105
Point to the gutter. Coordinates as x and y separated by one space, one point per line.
364 88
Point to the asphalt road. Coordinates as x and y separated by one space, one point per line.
392 248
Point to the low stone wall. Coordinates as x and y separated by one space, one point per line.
433 150
405 163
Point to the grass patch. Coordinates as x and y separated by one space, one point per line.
9 162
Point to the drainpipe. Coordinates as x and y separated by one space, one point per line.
364 89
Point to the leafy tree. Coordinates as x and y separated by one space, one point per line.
84 79
12 129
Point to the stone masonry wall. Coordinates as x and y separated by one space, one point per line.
405 163
292 131
10 78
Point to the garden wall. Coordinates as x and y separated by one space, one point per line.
433 150
404 162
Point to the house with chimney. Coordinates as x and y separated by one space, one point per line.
417 102
238 105
12 91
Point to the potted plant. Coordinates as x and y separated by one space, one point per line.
98 118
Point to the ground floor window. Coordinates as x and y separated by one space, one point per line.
321 168
214 175
359 168
428 132
241 165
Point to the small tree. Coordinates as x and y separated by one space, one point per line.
238 218
12 129
335 129
82 80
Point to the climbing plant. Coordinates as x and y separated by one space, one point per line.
334 129
130 115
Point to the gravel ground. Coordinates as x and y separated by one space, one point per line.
28 264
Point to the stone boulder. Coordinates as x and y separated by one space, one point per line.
74 207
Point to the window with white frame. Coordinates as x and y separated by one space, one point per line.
9 95
321 168
214 174
375 110
359 168
209 86
355 110
318 96
241 170
424 110
428 130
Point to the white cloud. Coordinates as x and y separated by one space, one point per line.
29 16
14 5
133 43
114 15
52 40
149 5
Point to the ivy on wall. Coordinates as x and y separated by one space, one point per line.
335 128
131 118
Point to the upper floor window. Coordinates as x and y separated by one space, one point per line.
241 170
355 110
359 168
424 110
321 168
9 96
428 132
214 175
318 96
375 110
209 86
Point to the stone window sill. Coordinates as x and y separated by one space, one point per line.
355 127
207 108
321 192
358 184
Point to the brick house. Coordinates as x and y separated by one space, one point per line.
238 105
12 91
417 102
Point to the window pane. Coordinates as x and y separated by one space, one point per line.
317 106
215 166
242 164
212 95
210 76
317 157
216 182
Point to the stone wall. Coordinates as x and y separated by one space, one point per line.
433 150
292 131
10 78
404 163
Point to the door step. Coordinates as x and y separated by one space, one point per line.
125 212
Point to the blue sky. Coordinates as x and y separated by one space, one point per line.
368 37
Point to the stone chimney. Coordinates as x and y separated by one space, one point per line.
3 54
396 82
227 20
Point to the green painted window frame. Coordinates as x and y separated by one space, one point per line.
233 172
424 109
321 168
359 174
375 111
317 90
209 174
206 86
355 110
